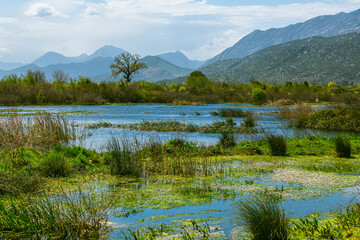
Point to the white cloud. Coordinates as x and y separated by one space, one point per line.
42 10
146 26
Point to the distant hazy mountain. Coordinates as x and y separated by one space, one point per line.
159 69
179 59
326 26
9 66
316 60
106 51
53 58
98 69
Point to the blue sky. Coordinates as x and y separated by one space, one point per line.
199 28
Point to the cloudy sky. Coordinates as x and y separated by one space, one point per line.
199 28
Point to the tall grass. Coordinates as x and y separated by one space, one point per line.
123 159
40 131
62 216
263 217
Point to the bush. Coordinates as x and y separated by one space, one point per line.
263 217
227 140
56 165
342 147
258 95
277 145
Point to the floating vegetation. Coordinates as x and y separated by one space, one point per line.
228 126
20 112
230 112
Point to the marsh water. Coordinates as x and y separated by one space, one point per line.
217 212
266 118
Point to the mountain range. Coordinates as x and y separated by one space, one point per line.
325 26
315 60
96 65
269 55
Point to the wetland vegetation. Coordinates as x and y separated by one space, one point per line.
71 192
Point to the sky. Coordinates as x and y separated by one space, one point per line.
199 28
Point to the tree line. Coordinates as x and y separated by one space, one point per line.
34 89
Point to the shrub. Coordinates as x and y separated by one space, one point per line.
258 95
342 147
277 145
56 165
227 140
263 217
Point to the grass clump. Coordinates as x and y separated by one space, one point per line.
227 140
277 145
56 165
342 147
263 217
62 216
122 159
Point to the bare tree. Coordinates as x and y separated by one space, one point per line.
60 76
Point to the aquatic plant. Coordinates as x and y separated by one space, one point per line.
340 225
230 112
228 126
277 145
342 147
40 131
263 217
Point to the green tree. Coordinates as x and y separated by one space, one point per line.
258 95
198 84
126 64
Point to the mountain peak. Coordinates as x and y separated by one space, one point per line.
179 59
325 26
107 51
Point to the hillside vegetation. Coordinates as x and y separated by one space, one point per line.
315 60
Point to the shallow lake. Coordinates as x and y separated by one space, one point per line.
266 119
